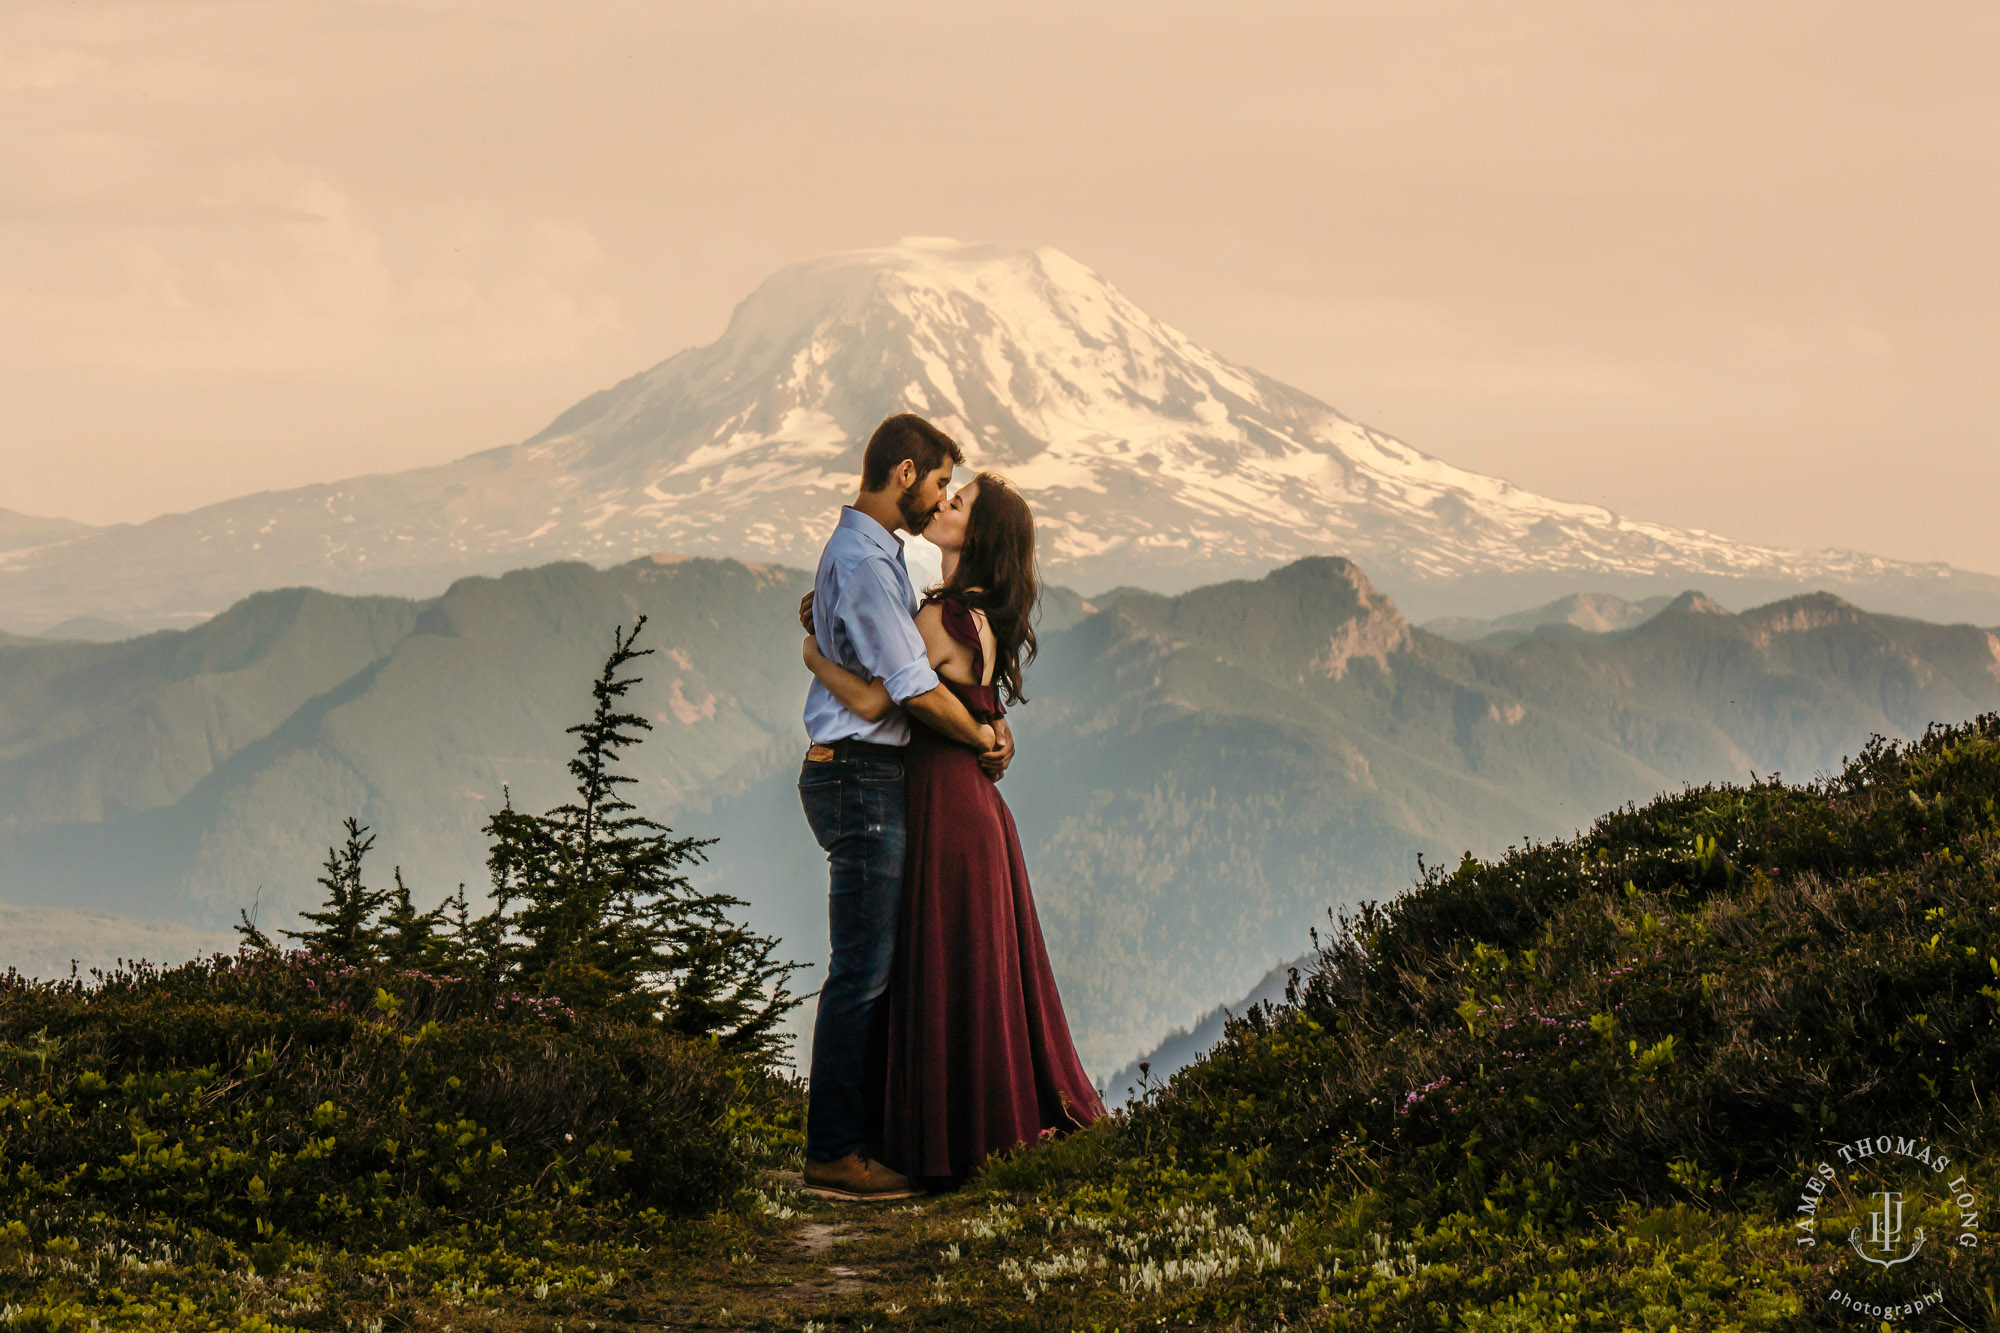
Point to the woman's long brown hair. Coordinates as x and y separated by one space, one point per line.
996 574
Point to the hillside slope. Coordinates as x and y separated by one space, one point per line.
1661 1075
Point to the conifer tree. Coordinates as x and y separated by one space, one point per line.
251 940
343 929
597 907
728 986
469 946
407 937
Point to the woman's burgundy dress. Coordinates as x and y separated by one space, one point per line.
979 1053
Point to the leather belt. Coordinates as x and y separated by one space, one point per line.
858 749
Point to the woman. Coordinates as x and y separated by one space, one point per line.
979 1053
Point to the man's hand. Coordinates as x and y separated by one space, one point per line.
806 613
995 760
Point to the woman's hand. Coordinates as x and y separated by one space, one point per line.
996 759
987 740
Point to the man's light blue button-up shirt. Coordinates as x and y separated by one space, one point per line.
864 614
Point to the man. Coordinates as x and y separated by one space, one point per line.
862 609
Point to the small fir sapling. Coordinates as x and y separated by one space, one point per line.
592 906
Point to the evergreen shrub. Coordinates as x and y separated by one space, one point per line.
266 1097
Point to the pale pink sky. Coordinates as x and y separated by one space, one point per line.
1718 264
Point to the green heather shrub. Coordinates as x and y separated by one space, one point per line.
1580 1085
1722 979
268 1097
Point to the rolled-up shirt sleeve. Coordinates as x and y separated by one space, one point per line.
877 624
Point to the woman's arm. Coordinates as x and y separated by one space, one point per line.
938 708
866 699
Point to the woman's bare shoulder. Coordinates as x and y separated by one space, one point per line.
938 643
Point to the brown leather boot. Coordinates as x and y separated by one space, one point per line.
858 1178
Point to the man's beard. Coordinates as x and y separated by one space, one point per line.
915 517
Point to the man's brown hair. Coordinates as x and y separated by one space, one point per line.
906 435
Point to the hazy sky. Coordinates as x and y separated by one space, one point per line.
1727 265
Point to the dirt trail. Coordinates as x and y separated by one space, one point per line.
833 1258
821 1246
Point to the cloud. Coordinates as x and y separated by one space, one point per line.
268 263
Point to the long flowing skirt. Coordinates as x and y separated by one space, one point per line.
979 1053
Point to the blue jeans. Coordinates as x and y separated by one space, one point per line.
855 808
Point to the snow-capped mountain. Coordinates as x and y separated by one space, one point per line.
1149 460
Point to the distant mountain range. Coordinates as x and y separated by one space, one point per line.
50 941
1150 460
179 774
1238 759
27 531
1201 776
1581 613
1183 1046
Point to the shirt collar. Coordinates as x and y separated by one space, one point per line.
856 521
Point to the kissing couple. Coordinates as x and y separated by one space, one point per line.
940 1038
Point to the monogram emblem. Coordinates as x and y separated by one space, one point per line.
1885 1230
